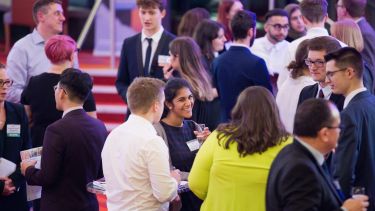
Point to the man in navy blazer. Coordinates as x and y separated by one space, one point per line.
71 150
318 48
354 159
238 68
355 10
144 53
298 179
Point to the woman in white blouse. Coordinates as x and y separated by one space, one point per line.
287 97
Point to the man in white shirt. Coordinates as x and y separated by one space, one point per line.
27 57
273 47
135 159
354 157
314 15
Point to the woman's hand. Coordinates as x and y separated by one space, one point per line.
168 71
202 136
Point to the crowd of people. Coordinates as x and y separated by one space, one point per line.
279 122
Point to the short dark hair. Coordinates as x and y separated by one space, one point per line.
276 12
77 84
324 43
241 23
311 116
347 57
41 5
355 8
146 4
143 92
314 10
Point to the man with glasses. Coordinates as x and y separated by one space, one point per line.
71 149
354 159
318 48
314 15
273 47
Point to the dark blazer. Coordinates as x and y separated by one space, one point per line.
70 159
368 34
297 182
131 65
354 159
10 148
311 92
234 71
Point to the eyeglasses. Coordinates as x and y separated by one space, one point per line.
278 27
317 63
6 83
339 6
329 74
333 127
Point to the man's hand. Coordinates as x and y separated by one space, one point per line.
8 186
26 164
359 203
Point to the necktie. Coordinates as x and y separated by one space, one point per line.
330 180
148 57
321 95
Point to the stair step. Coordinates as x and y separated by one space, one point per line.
111 112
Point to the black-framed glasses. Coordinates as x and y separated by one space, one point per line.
6 83
329 74
278 27
317 63
339 6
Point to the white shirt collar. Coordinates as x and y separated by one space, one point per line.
327 91
317 31
155 37
353 94
319 157
71 109
240 45
37 38
269 45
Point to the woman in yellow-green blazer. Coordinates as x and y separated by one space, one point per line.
231 168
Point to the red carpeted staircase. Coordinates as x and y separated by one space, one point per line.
109 105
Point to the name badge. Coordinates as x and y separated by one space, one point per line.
193 145
13 130
163 59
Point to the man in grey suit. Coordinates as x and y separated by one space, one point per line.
71 150
354 159
355 10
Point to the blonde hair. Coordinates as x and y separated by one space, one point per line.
348 32
192 68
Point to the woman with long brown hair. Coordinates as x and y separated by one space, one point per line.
186 62
231 168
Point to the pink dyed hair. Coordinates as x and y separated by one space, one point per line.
60 48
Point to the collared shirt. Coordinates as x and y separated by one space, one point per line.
311 33
136 168
327 91
154 44
319 157
26 58
353 94
71 109
240 45
274 55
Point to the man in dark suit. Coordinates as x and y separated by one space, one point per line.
354 159
355 10
298 179
238 68
12 187
145 53
318 48
71 150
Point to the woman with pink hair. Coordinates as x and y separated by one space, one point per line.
38 97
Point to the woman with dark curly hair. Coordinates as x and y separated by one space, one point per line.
289 91
231 168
